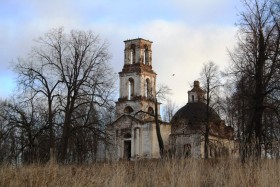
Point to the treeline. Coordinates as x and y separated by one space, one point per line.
253 104
63 101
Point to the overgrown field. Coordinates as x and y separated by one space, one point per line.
177 172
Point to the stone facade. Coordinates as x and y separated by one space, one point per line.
188 127
133 133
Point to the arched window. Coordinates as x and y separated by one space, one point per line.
130 88
150 110
128 110
132 54
148 88
146 56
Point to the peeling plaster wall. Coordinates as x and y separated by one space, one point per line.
138 45
144 143
139 84
165 130
180 140
155 146
220 143
136 106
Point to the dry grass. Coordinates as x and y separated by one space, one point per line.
156 173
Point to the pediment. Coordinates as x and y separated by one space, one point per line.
125 121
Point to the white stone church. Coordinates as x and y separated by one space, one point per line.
133 133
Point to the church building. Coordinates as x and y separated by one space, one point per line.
133 132
188 126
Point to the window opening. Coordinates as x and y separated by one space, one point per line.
187 150
150 110
130 88
147 88
146 56
132 54
131 57
128 110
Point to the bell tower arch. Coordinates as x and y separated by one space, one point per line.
137 78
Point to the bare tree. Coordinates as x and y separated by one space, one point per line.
161 94
35 75
169 110
256 60
25 124
70 73
211 82
5 140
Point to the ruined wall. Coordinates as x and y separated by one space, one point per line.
139 105
139 49
139 84
165 130
146 151
186 145
143 139
219 147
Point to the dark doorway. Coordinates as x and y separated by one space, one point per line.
127 149
187 150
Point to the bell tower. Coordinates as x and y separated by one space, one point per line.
137 79
196 94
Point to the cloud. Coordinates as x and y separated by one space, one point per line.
185 33
200 5
177 49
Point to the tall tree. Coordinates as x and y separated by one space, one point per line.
161 93
35 75
70 73
211 82
256 58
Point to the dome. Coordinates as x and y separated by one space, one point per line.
194 114
192 117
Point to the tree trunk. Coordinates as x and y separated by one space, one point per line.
52 138
207 128
257 123
66 130
160 141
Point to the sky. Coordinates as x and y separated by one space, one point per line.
186 33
